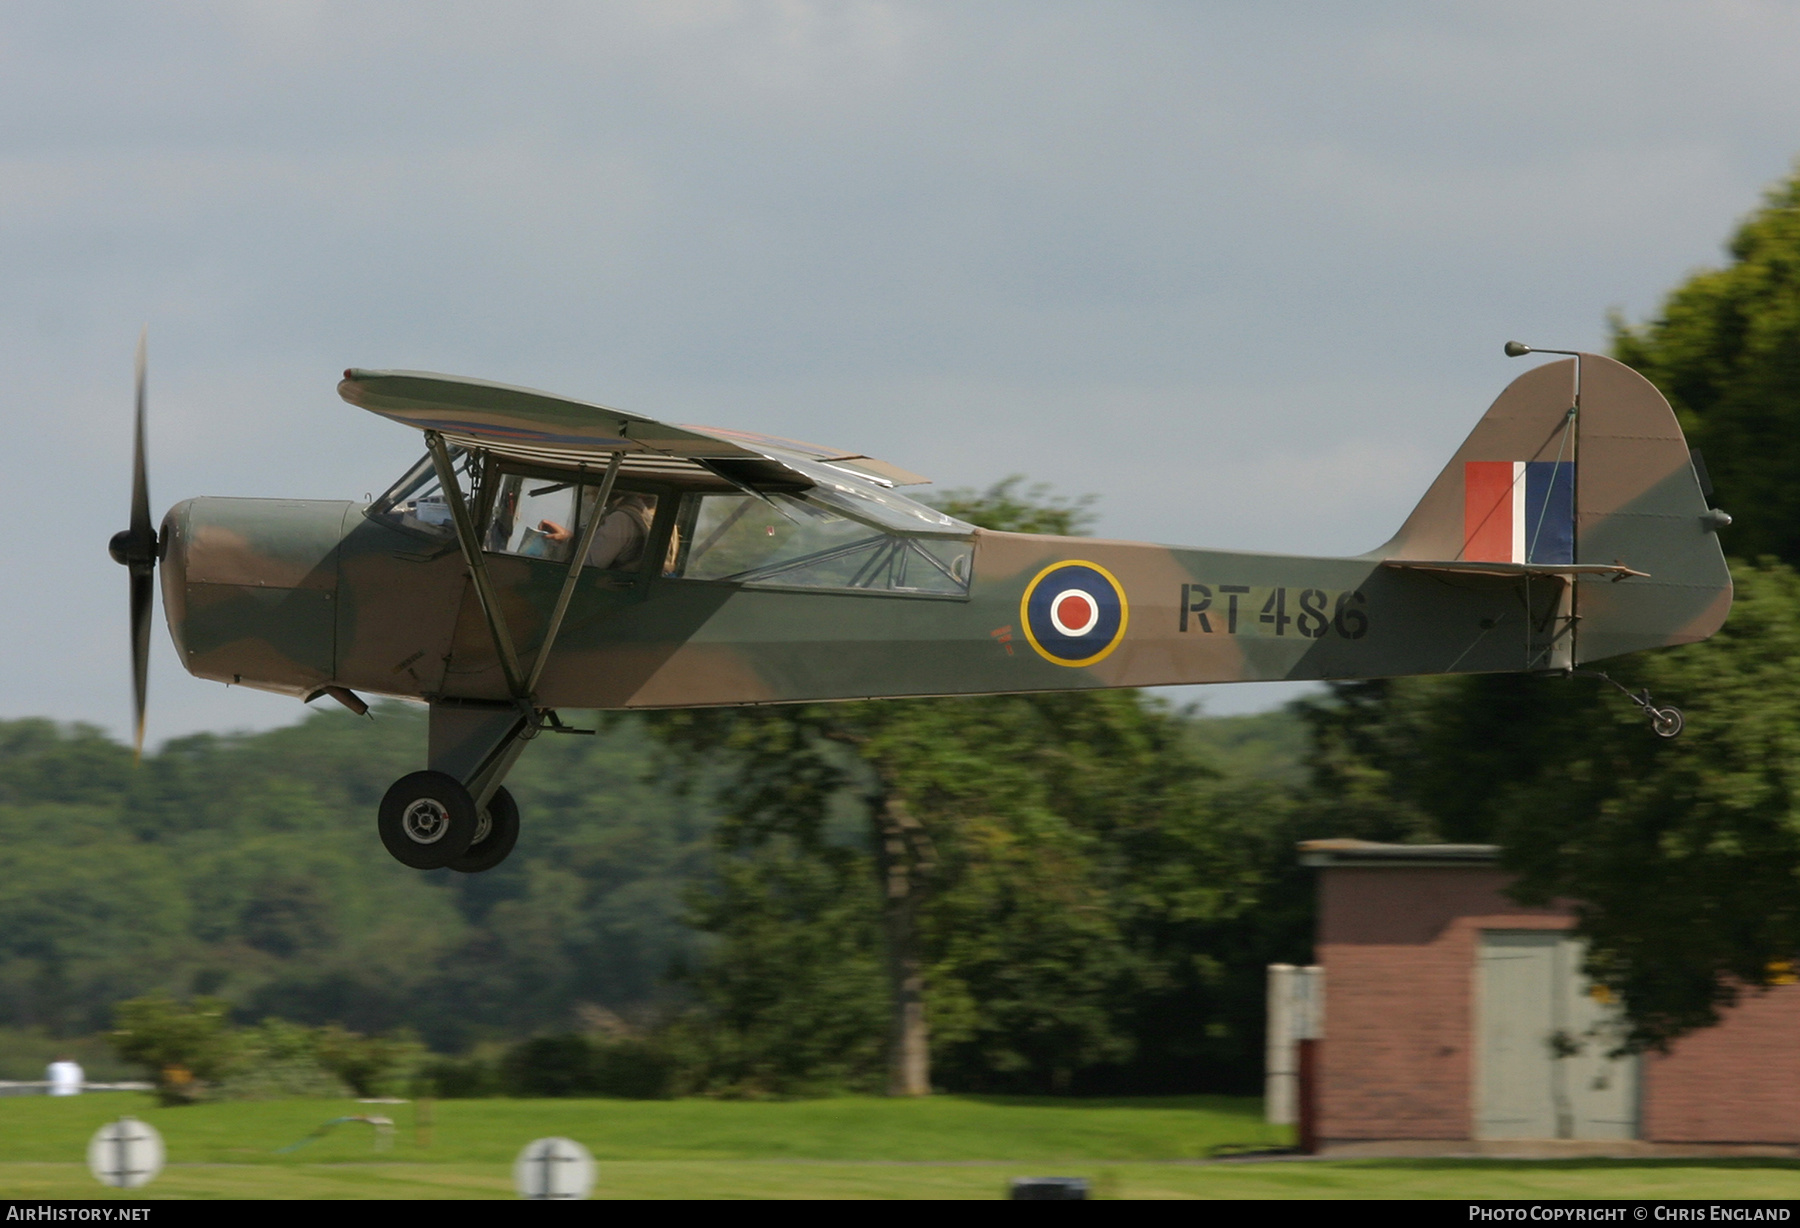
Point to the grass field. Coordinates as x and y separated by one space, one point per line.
944 1147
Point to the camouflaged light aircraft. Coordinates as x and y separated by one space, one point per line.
547 553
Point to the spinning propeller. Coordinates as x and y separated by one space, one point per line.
136 548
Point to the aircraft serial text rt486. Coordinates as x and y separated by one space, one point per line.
547 554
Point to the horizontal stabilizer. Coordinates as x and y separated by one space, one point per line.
1617 571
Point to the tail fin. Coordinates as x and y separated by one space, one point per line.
1593 484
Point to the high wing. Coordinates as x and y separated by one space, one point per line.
544 429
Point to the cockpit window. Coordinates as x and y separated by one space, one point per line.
841 533
543 519
416 502
800 541
534 517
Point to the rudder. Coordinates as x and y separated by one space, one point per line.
1554 477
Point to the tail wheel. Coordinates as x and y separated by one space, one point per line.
496 833
427 820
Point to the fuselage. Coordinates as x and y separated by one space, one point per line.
293 596
1570 526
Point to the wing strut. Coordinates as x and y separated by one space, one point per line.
522 688
484 587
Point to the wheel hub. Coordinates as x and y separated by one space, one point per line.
425 821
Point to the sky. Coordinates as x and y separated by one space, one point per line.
1243 271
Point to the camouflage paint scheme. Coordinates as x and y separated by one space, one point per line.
296 596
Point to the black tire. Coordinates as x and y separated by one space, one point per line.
427 820
493 844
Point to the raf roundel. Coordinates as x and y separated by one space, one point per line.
1074 613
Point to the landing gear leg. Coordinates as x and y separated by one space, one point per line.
457 815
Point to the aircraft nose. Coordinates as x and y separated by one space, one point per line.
172 570
250 586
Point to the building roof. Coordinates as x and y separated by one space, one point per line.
1368 853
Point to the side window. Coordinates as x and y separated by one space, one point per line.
741 537
543 519
522 510
534 517
416 503
935 565
428 510
791 542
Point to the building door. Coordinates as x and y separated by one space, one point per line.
1542 1039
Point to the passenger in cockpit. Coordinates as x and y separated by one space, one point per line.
619 541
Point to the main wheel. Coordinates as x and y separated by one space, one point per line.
428 820
1666 722
495 834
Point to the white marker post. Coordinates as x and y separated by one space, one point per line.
554 1168
125 1154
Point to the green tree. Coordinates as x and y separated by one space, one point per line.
1011 506
85 918
183 1044
245 867
370 1065
793 993
276 1060
1059 891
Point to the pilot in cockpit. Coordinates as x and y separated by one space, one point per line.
619 541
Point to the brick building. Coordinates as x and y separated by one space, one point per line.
1457 1019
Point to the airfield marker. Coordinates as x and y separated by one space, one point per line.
558 1168
125 1154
